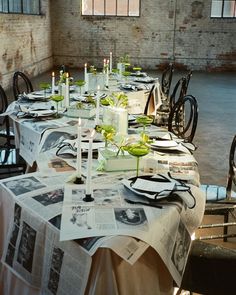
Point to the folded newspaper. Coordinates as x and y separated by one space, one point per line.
158 187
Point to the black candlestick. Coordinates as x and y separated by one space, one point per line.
88 198
78 180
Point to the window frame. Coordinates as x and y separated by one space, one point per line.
5 8
222 16
110 15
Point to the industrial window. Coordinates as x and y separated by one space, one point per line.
111 7
223 8
20 6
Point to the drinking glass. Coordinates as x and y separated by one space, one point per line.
57 98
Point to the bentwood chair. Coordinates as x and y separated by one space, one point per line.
188 77
11 163
21 84
186 128
166 80
179 91
221 201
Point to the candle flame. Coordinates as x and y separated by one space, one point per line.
85 65
53 74
67 75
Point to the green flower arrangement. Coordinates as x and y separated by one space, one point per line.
108 132
116 99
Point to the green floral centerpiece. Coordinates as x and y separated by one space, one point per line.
82 109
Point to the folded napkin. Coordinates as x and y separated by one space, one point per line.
159 187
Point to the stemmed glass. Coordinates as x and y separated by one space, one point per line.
44 86
144 120
80 84
138 150
57 98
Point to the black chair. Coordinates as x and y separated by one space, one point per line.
11 163
221 201
210 270
184 127
188 77
179 91
166 80
21 84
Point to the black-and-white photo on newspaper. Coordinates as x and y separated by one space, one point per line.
26 248
23 185
181 248
51 197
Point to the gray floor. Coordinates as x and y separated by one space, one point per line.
216 95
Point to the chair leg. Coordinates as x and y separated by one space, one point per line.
226 220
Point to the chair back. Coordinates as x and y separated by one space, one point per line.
4 120
179 91
188 77
21 83
184 126
232 169
166 79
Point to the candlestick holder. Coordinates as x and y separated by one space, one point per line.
78 180
88 198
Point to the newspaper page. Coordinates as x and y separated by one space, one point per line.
24 247
66 266
128 248
182 166
30 137
110 215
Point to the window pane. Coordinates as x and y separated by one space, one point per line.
87 7
15 6
98 7
122 6
110 7
216 8
134 7
228 9
5 5
31 6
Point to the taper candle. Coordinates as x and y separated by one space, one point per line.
53 83
78 162
88 190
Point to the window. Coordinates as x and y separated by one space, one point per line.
223 8
20 6
111 7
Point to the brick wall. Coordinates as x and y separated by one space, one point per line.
25 44
181 31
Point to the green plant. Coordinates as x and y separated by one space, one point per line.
108 132
116 99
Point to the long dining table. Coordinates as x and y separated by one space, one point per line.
55 241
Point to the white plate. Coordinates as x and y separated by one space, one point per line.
164 143
43 113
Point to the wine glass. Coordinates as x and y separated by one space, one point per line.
144 120
57 98
80 84
44 86
138 150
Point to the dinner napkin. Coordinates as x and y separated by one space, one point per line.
159 187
